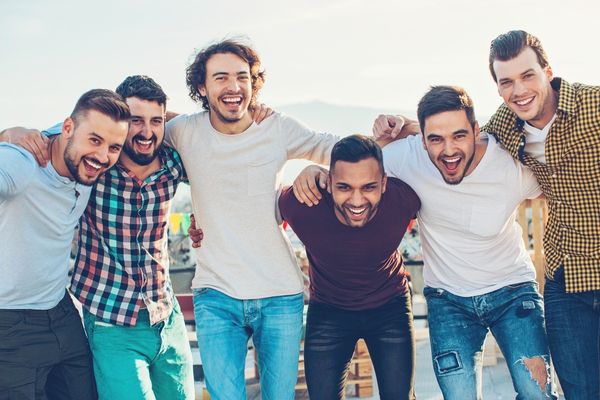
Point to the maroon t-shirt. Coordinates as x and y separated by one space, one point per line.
354 268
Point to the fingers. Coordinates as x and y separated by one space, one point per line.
31 140
260 112
382 127
305 188
397 122
322 179
196 234
39 147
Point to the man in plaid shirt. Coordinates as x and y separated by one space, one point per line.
553 127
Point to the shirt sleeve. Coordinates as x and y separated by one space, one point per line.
286 200
529 185
53 130
304 143
396 155
174 129
17 168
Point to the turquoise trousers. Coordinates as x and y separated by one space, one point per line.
141 362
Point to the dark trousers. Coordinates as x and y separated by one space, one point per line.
573 326
45 355
331 336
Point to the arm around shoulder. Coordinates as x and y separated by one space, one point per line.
17 168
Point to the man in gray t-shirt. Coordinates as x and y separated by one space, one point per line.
43 349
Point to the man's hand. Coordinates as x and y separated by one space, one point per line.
29 139
260 112
196 234
305 185
388 128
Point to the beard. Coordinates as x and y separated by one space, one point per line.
138 158
73 167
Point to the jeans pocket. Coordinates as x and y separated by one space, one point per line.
433 292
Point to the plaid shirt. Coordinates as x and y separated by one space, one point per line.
123 253
570 180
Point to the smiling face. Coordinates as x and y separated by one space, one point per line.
228 89
146 131
449 139
93 145
525 87
356 189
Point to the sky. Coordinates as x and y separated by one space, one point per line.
377 53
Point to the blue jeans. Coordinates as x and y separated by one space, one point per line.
224 325
458 327
572 321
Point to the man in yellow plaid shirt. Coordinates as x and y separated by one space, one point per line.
553 127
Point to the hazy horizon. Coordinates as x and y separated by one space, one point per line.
381 55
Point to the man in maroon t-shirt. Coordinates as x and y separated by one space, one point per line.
358 285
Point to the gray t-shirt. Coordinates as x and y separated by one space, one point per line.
39 210
234 180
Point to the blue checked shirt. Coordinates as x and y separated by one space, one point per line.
123 255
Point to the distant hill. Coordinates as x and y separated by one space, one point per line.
337 119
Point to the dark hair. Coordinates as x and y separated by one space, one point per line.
105 102
510 44
356 148
142 87
440 99
196 72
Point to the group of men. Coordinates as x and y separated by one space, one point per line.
463 186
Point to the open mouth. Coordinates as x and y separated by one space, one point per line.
92 167
524 102
451 163
232 101
143 145
357 212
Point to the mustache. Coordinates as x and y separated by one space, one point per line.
141 137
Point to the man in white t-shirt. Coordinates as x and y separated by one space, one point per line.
478 274
247 282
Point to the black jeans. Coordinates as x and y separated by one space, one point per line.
44 354
331 336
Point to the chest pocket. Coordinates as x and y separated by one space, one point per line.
262 177
486 221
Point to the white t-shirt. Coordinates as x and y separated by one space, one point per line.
234 181
471 242
535 140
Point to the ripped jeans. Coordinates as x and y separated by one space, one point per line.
458 327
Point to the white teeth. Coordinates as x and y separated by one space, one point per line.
92 164
356 210
232 99
451 160
144 142
524 102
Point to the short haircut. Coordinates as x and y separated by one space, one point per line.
142 87
356 148
103 101
440 99
196 72
510 44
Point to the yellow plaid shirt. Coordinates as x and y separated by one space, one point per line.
570 180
